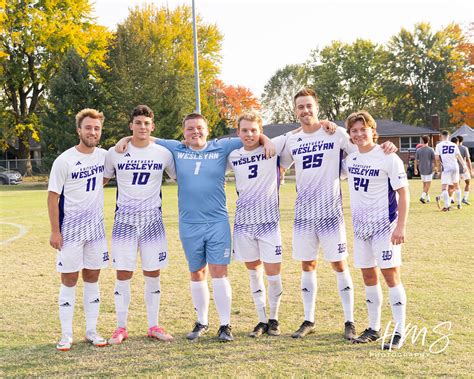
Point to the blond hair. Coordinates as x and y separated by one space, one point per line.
89 112
252 116
365 118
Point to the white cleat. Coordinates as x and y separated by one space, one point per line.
95 339
65 343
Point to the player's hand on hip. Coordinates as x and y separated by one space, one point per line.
56 240
121 146
329 127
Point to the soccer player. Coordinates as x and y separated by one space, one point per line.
138 220
447 153
465 174
424 163
75 207
203 220
375 180
318 208
257 235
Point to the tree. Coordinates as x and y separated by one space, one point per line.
72 89
151 62
278 93
420 67
34 37
462 106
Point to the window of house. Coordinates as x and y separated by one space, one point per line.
409 143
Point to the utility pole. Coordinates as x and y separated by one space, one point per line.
196 64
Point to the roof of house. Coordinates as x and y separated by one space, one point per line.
385 128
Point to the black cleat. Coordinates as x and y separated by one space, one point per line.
445 209
273 328
260 328
368 335
307 327
349 330
464 201
394 344
422 200
224 333
198 331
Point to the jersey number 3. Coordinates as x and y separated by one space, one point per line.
253 171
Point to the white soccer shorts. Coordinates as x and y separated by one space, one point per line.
258 242
329 234
150 239
450 177
466 175
426 178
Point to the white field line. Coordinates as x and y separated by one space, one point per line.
22 230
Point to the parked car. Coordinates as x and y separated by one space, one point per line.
9 176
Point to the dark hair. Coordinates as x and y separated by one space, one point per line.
306 92
193 116
366 119
454 139
460 139
142 110
425 139
445 133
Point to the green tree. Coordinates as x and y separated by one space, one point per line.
34 37
151 62
421 64
278 93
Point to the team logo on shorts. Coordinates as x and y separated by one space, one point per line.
386 255
105 256
341 248
226 253
278 250
162 256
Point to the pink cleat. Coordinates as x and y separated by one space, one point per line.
159 333
119 335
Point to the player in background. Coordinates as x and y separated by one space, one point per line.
138 223
465 174
75 207
319 218
447 153
424 164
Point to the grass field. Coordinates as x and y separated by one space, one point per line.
437 274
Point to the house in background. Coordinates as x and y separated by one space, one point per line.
468 134
403 136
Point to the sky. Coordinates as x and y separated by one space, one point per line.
262 36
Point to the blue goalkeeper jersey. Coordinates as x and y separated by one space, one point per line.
201 175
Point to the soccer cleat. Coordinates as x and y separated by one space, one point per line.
438 201
96 340
395 343
458 206
368 335
198 331
349 330
445 209
159 333
452 201
273 328
260 328
464 201
427 199
65 343
422 200
224 333
307 327
119 336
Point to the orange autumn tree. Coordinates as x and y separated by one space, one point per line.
234 100
462 106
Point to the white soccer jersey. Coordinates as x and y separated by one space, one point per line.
317 158
447 152
139 173
373 179
257 182
78 178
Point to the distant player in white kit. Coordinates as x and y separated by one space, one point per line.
375 180
138 223
448 154
75 207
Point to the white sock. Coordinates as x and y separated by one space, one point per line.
275 290
373 300
200 296
257 287
222 298
122 297
427 197
398 302
457 195
346 292
424 195
309 289
91 305
152 299
466 195
66 301
445 197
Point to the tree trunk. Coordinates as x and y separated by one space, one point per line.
25 166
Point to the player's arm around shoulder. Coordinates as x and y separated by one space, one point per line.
170 166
